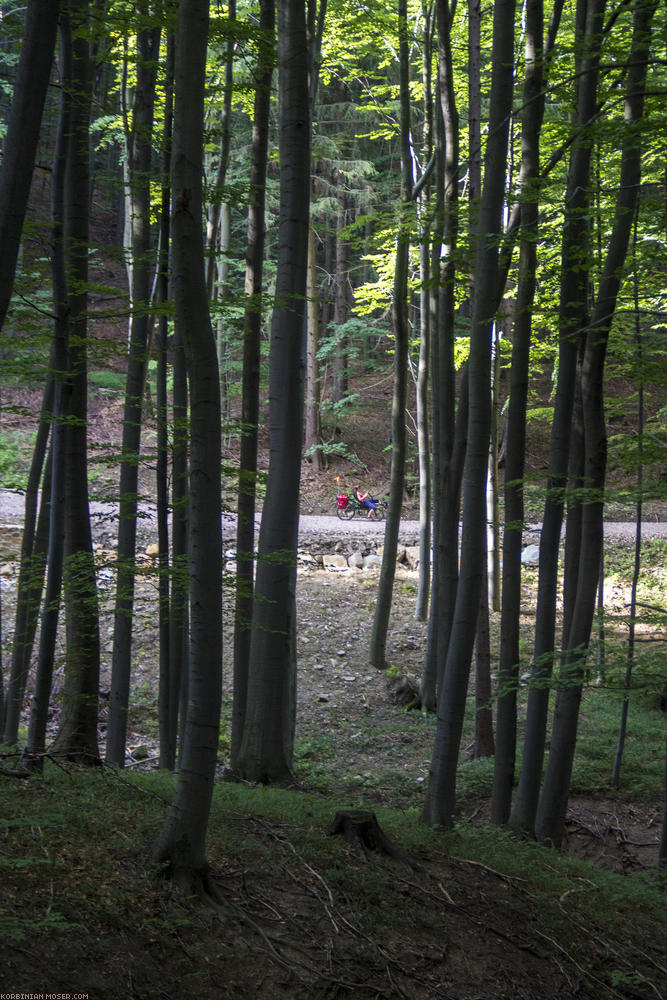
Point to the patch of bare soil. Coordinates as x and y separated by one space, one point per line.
618 836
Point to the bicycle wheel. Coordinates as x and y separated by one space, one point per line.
346 513
378 513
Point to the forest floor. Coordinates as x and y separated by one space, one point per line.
468 915
301 914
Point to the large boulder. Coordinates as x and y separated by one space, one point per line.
334 562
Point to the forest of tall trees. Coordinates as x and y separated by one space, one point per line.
276 200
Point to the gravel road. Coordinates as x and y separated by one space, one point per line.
12 505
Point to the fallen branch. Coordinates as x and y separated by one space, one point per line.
10 772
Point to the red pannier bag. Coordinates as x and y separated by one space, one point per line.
342 500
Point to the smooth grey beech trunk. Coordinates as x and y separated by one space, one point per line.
378 643
182 841
168 689
316 13
215 239
574 508
508 669
341 295
266 750
484 741
252 321
139 173
423 439
441 796
514 221
313 424
572 312
426 207
445 439
636 572
550 820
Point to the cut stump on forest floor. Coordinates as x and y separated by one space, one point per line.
362 830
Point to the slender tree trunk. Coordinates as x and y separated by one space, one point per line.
179 650
139 168
168 691
341 298
245 529
423 442
492 504
508 669
77 735
550 820
423 368
175 687
378 642
3 699
36 744
23 130
327 294
625 705
316 11
313 432
34 545
573 301
182 840
448 426
268 738
213 241
574 506
513 224
484 744
475 112
441 797
620 746
218 228
662 849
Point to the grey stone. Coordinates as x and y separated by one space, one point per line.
372 561
334 562
531 554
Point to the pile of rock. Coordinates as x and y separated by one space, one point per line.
360 559
341 557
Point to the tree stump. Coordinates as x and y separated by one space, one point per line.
362 830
